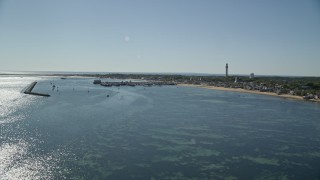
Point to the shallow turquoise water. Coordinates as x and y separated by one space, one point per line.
153 133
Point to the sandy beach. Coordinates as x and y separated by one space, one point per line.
287 96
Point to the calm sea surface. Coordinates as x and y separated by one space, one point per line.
153 133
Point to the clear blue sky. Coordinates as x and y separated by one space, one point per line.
267 37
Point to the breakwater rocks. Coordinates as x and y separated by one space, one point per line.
30 88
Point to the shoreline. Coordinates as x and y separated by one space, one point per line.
286 96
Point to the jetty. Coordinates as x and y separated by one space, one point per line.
30 88
129 83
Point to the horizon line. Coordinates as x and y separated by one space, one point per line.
155 73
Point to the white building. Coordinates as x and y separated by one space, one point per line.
251 75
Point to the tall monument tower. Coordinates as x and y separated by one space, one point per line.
226 70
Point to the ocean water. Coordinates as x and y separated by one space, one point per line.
166 132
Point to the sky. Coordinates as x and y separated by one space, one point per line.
265 37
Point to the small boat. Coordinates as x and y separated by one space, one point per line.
97 82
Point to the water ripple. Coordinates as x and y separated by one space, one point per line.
18 162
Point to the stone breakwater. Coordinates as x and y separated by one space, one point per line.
30 88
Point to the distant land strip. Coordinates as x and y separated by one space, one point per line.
287 96
299 87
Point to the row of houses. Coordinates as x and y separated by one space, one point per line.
262 87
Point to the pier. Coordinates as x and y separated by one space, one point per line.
129 83
30 88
